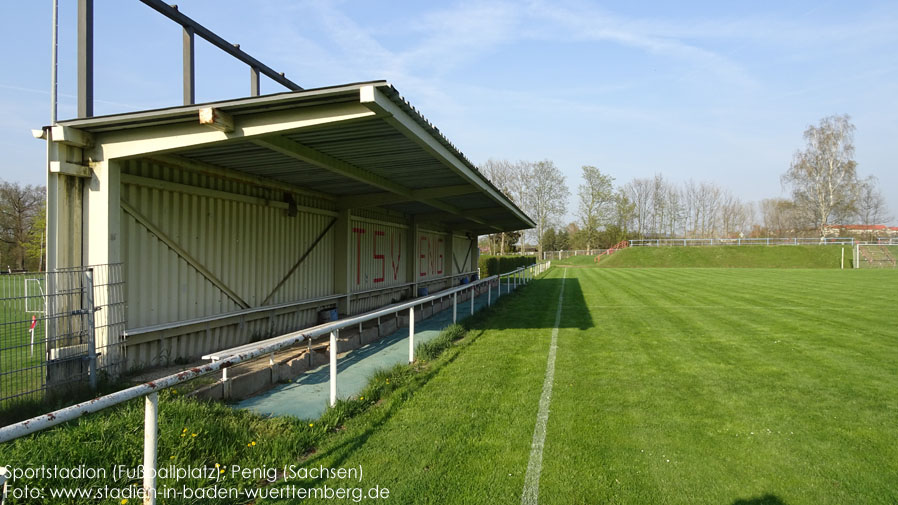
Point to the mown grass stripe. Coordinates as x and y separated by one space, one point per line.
530 496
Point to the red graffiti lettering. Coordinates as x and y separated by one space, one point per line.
358 264
440 262
383 263
397 262
422 261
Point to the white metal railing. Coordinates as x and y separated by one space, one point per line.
687 242
150 390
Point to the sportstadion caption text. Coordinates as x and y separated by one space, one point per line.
215 482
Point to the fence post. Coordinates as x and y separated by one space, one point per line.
333 367
411 334
472 300
843 259
489 294
91 330
150 428
454 307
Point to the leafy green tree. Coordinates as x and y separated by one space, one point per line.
19 209
596 204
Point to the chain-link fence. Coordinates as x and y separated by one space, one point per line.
58 330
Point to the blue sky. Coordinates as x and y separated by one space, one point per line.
717 91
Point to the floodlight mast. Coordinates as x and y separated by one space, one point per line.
191 29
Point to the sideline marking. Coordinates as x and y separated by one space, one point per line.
535 465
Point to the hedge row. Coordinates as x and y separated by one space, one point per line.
492 265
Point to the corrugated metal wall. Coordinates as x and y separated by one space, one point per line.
378 257
379 252
197 245
461 252
247 244
430 262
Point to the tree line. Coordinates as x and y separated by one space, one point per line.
22 225
822 178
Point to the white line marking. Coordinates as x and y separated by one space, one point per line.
535 465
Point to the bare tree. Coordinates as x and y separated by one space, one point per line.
639 194
547 196
781 218
823 176
871 205
20 207
502 174
596 203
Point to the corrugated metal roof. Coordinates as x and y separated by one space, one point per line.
375 145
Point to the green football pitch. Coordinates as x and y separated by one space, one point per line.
670 386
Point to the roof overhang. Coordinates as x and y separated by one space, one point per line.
360 144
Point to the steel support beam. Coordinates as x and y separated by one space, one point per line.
85 58
254 87
189 67
233 49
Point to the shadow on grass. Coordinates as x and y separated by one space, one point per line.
534 305
767 499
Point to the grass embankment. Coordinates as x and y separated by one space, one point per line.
577 261
729 257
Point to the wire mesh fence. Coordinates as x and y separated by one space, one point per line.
58 330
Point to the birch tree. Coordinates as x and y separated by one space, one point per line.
547 196
823 176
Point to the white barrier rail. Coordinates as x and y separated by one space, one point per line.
693 242
150 390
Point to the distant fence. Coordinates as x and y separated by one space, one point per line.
59 329
695 242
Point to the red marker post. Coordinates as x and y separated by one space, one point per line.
33 324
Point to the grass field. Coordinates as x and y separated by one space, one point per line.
725 386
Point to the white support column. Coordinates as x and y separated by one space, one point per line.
411 335
489 294
454 307
333 367
150 428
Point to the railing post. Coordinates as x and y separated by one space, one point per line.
91 329
472 300
333 367
411 334
489 294
454 307
150 428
